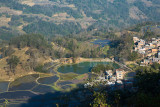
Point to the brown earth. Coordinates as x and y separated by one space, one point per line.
22 68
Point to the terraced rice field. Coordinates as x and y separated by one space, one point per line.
65 79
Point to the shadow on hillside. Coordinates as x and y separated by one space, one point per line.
77 97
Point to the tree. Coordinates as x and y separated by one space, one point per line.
99 100
101 68
73 45
155 65
147 79
133 56
13 62
40 68
149 34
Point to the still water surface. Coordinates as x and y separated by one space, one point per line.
83 67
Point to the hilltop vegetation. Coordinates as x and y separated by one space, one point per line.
33 52
64 17
37 47
34 34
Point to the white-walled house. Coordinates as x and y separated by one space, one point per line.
120 74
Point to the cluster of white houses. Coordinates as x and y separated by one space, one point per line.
110 78
149 49
119 75
115 79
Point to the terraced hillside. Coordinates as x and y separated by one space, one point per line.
64 17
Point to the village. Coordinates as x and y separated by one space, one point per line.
114 79
150 50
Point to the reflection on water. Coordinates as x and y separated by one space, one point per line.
16 95
29 82
3 86
48 80
23 86
82 68
131 74
43 89
24 83
102 42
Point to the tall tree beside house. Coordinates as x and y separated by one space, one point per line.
121 47
148 34
133 56
125 46
156 66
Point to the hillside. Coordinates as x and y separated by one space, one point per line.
64 17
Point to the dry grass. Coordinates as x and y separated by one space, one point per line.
3 63
81 77
20 69
21 54
10 11
43 75
4 21
136 14
68 76
28 2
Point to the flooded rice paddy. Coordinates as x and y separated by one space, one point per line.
30 86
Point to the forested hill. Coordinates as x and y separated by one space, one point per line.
64 17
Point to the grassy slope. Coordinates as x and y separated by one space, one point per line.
20 71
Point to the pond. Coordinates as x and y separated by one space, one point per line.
83 67
102 42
